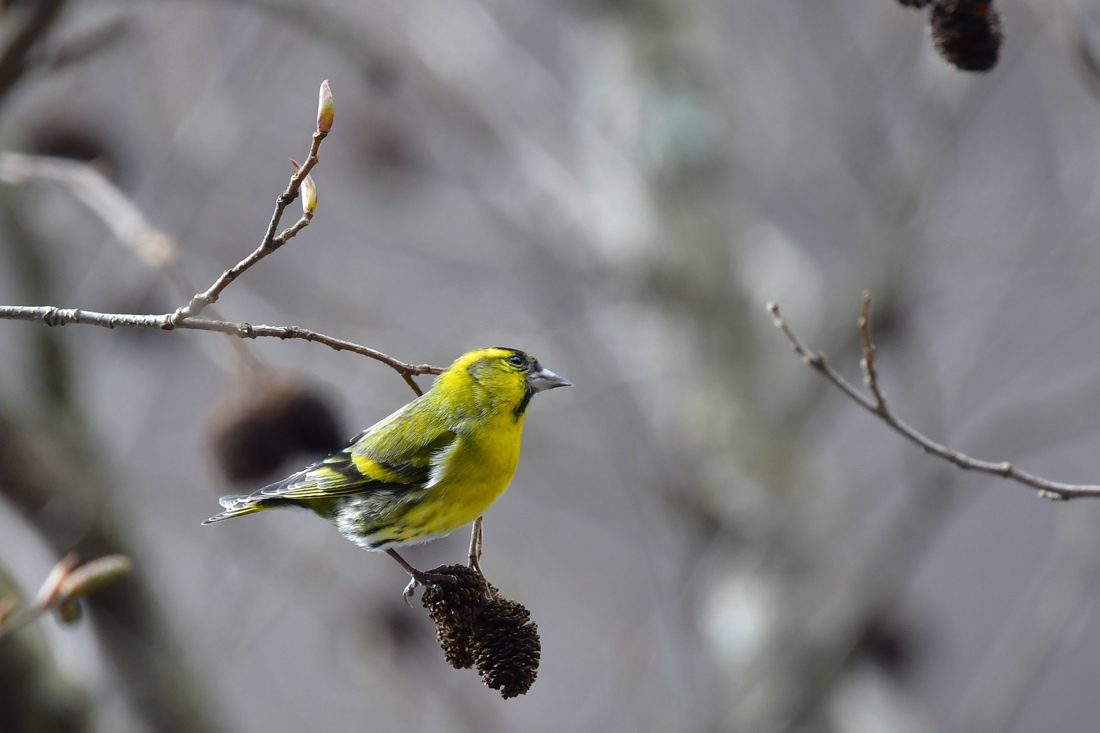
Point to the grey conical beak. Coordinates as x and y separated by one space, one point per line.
545 379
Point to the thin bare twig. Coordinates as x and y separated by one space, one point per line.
475 545
269 244
870 371
877 405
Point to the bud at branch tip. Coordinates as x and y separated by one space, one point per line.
94 576
326 109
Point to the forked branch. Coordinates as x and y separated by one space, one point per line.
152 246
877 405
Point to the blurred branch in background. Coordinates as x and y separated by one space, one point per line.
34 694
877 405
31 21
62 590
89 186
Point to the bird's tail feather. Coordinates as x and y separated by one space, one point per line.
236 505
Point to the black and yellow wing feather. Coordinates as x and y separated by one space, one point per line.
396 453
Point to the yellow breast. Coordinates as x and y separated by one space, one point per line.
469 477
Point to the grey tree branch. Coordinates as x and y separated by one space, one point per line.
51 316
89 186
877 405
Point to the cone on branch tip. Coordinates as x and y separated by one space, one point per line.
506 647
476 627
326 108
454 611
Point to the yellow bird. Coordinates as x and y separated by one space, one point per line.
427 469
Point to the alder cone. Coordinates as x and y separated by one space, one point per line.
967 33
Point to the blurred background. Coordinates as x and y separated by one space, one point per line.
709 537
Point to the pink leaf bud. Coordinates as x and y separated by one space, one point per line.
96 575
52 585
309 195
326 109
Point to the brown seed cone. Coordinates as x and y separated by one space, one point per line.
967 33
506 647
454 610
281 417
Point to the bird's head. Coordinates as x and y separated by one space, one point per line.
509 377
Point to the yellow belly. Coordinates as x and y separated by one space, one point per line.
471 478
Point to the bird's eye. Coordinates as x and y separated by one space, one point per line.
516 360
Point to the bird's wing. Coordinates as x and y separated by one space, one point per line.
397 452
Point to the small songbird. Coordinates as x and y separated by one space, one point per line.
427 469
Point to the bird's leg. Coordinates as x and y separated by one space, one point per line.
475 545
419 577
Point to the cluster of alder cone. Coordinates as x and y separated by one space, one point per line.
967 33
478 628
